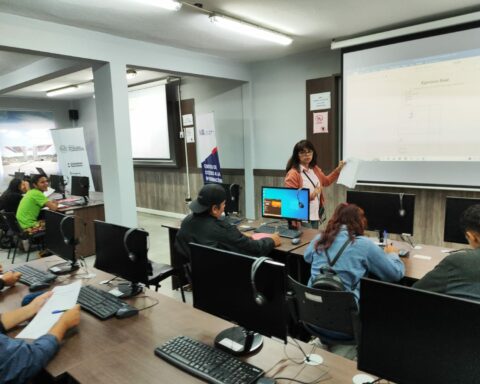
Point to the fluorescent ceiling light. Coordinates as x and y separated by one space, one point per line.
62 91
171 5
250 29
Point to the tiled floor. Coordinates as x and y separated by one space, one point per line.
159 250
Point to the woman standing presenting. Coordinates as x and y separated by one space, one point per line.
303 172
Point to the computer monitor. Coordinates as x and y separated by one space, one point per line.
19 175
414 336
60 240
233 198
391 212
286 203
57 182
41 171
454 208
80 186
222 285
122 251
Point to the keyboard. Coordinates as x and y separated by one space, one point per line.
100 303
233 220
282 231
72 203
31 275
207 363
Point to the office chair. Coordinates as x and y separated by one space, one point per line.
325 313
159 273
19 234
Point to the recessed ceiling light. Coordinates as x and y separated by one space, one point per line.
131 73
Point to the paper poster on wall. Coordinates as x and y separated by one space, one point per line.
187 120
320 122
26 143
207 151
320 101
72 154
190 134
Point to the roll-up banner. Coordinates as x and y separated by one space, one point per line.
207 151
72 154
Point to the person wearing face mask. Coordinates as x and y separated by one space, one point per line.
204 226
303 172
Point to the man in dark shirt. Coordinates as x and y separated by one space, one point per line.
459 273
204 227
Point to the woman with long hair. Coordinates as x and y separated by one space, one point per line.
360 255
10 199
303 172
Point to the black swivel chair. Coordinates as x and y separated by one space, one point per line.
321 311
19 234
159 273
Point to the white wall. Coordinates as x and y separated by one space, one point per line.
224 99
87 114
279 103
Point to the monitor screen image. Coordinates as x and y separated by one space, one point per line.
222 286
80 186
454 208
285 203
414 336
129 261
57 183
391 212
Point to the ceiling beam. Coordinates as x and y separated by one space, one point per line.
41 70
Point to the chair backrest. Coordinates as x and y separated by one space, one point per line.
331 310
10 220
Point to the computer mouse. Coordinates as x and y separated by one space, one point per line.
266 380
28 298
39 286
362 378
296 240
403 253
125 312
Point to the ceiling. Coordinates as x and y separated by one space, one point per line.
84 79
312 24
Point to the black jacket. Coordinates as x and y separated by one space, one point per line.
207 230
9 202
457 275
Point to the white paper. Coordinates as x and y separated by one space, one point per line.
423 257
187 119
349 174
320 122
320 101
64 297
190 134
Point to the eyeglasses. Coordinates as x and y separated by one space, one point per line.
305 153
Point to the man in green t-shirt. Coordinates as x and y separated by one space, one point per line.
31 204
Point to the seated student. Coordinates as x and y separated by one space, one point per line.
361 255
204 226
19 360
10 199
32 203
8 278
458 274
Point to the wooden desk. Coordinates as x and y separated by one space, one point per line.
121 351
94 210
418 264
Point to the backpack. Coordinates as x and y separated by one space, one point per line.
327 279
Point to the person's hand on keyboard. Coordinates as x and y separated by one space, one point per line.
10 278
276 239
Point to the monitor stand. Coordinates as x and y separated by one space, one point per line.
129 289
64 268
238 341
85 200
